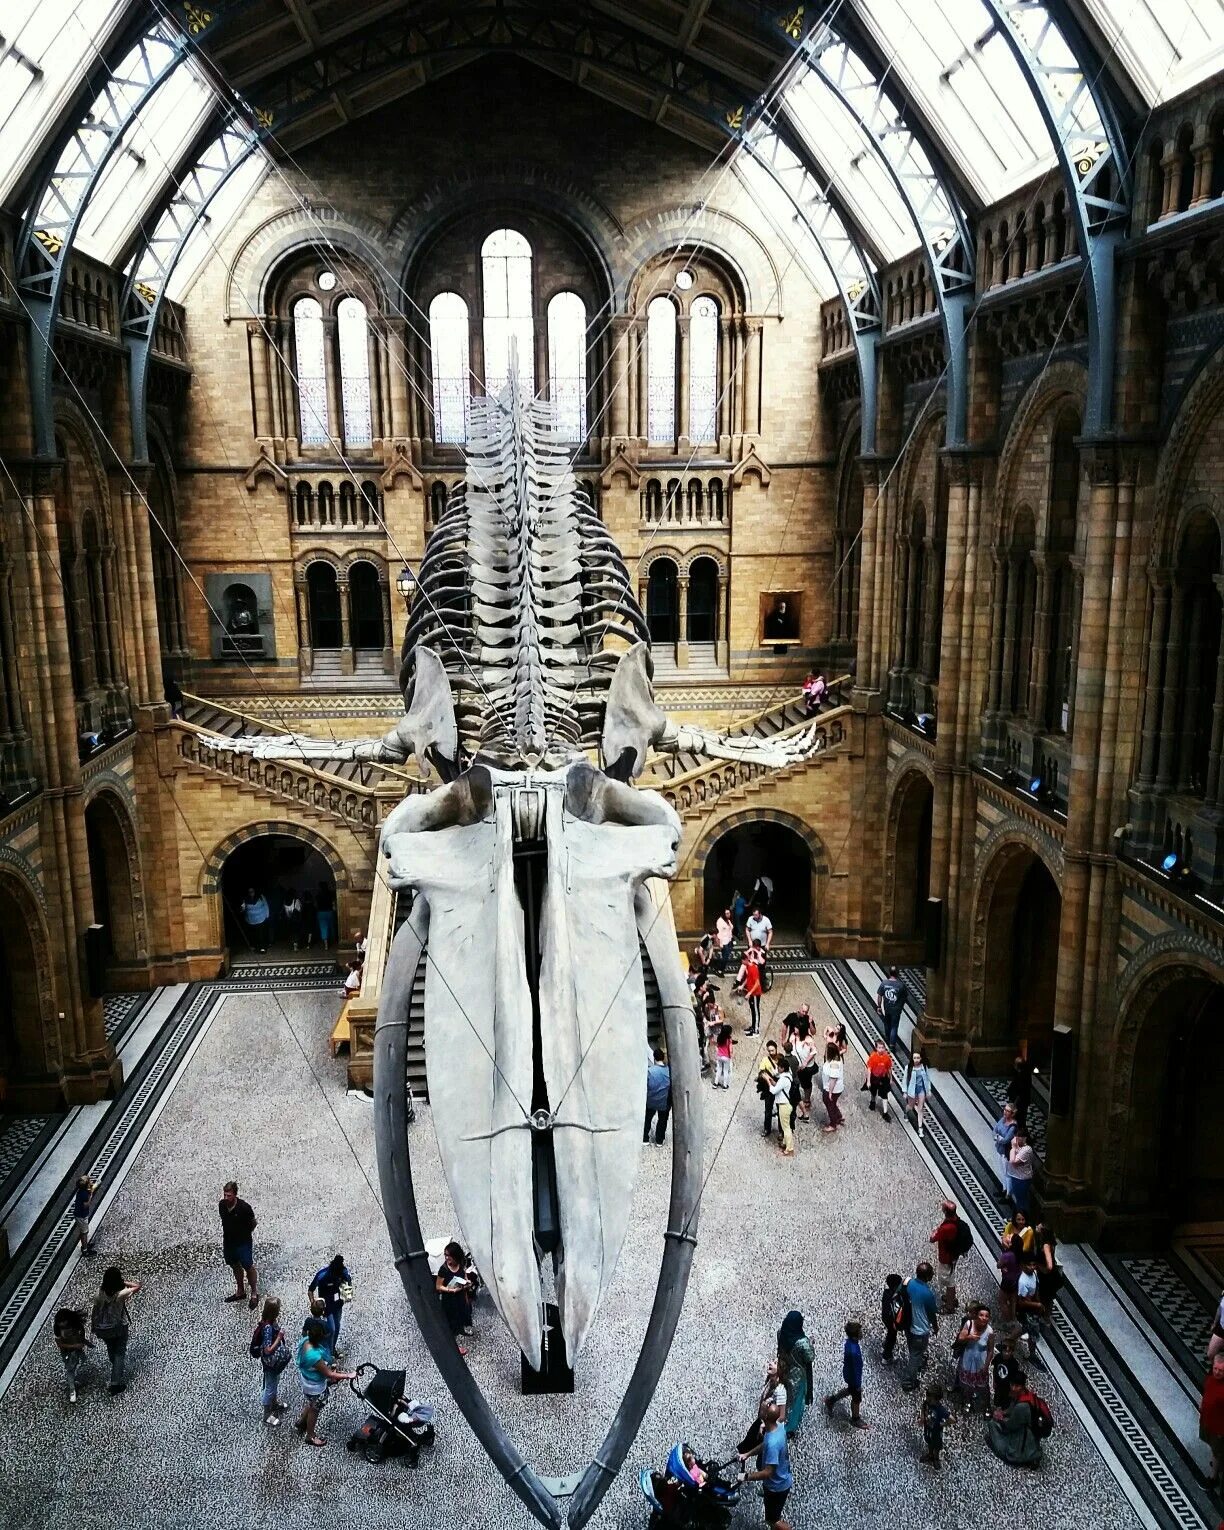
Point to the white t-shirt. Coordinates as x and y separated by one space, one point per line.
1028 1284
832 1079
760 928
1020 1162
352 982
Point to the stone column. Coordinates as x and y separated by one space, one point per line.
302 599
1039 663
930 636
1161 581
335 406
146 590
684 374
738 391
1166 759
347 662
1189 698
998 603
726 391
1212 785
1203 165
1170 167
721 646
905 623
261 380
871 496
397 374
125 511
1011 623
389 664
752 384
682 647
641 412
618 382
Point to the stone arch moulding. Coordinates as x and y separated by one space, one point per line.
512 183
26 896
709 230
363 555
1063 382
114 791
317 555
283 234
1005 844
721 826
719 558
930 432
210 872
70 417
1199 503
668 554
1202 398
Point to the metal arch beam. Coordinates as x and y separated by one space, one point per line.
121 86
847 263
939 221
1095 161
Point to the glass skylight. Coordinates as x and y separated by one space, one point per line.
1166 46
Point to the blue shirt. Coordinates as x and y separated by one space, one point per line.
80 1204
852 1365
774 1453
1004 1131
923 1306
308 1359
257 912
328 1345
658 1086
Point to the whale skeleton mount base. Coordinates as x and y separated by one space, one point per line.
535 877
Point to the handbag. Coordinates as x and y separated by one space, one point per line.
280 1356
345 1290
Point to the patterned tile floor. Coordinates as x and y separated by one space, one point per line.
184 1444
18 1134
1175 1303
118 1010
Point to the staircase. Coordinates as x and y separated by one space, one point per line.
327 672
702 666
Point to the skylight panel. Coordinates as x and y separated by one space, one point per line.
210 230
787 223
1166 46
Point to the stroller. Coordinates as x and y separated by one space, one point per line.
678 1503
396 1425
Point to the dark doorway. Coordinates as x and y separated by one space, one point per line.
324 600
911 861
271 865
763 849
365 607
662 607
110 878
1021 965
22 1059
702 601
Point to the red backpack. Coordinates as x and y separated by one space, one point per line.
1043 1419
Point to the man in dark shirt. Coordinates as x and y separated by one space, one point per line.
891 997
237 1231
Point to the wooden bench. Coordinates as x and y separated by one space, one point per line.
341 1034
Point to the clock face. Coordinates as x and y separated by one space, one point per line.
684 280
327 280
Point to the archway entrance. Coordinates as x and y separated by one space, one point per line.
23 1062
365 607
702 601
324 604
911 864
662 601
753 850
111 881
275 866
1021 965
1174 1167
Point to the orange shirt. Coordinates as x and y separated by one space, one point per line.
879 1063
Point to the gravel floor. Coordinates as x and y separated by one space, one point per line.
263 1102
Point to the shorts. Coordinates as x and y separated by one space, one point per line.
878 1086
315 1399
81 1224
239 1253
774 1505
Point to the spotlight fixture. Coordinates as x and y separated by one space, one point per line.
1035 786
1170 863
926 724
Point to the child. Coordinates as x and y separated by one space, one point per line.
319 1313
1006 1370
893 1313
82 1206
70 1340
879 1076
1029 1308
852 1375
935 1414
722 1058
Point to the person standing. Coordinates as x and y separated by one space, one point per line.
796 1359
658 1097
894 1313
111 1324
295 922
318 1311
773 1395
852 1375
1008 1260
917 1087
774 1468
804 1052
891 998
325 914
879 1077
1020 1170
759 928
832 1083
315 1372
784 1089
238 1226
974 1350
724 938
722 1057
1006 1371
935 1414
950 1242
1017 1226
270 1344
924 1321
1211 1419
767 1073
258 920
1004 1132
72 1342
335 1285
750 975
1020 1089
82 1209
739 912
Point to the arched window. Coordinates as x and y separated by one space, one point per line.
311 370
661 370
354 371
448 347
567 364
506 264
703 370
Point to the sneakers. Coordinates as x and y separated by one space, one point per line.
115 1388
871 1103
272 1420
860 1423
253 1303
72 1395
236 1296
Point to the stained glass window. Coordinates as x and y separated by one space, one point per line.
703 370
567 342
311 370
354 371
661 371
506 261
448 346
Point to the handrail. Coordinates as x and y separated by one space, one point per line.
744 725
379 933
262 725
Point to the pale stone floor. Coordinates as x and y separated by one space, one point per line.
184 1447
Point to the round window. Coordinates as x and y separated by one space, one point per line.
327 280
684 280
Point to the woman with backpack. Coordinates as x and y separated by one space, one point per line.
70 1340
270 1346
110 1322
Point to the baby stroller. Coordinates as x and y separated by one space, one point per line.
396 1424
677 1502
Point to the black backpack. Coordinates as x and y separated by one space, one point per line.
897 1311
963 1241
